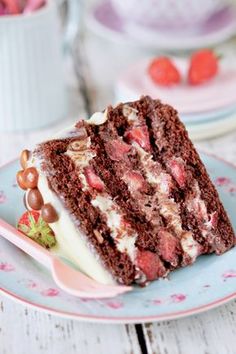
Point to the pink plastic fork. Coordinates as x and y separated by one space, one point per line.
67 278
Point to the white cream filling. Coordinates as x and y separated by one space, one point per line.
83 181
152 170
79 151
124 241
107 206
197 205
98 118
169 209
130 113
189 245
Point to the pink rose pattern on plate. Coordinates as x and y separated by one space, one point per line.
178 298
28 283
172 299
6 267
114 304
229 274
32 284
227 184
3 197
157 302
39 288
52 292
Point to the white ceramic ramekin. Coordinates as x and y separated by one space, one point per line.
32 88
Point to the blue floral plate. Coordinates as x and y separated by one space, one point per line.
210 282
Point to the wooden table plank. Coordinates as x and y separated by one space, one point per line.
25 330
212 332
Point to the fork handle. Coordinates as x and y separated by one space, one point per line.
26 244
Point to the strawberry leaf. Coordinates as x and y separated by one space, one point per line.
37 229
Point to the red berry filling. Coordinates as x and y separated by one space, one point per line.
178 171
134 180
92 179
150 264
117 149
168 246
140 136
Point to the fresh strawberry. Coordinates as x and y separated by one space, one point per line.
163 72
134 180
117 149
178 171
33 226
92 179
203 67
12 6
140 136
150 264
168 246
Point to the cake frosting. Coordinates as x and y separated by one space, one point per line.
71 242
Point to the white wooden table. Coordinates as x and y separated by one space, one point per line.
25 330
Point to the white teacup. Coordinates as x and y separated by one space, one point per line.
167 13
32 86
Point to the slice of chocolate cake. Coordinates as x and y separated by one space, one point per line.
126 194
